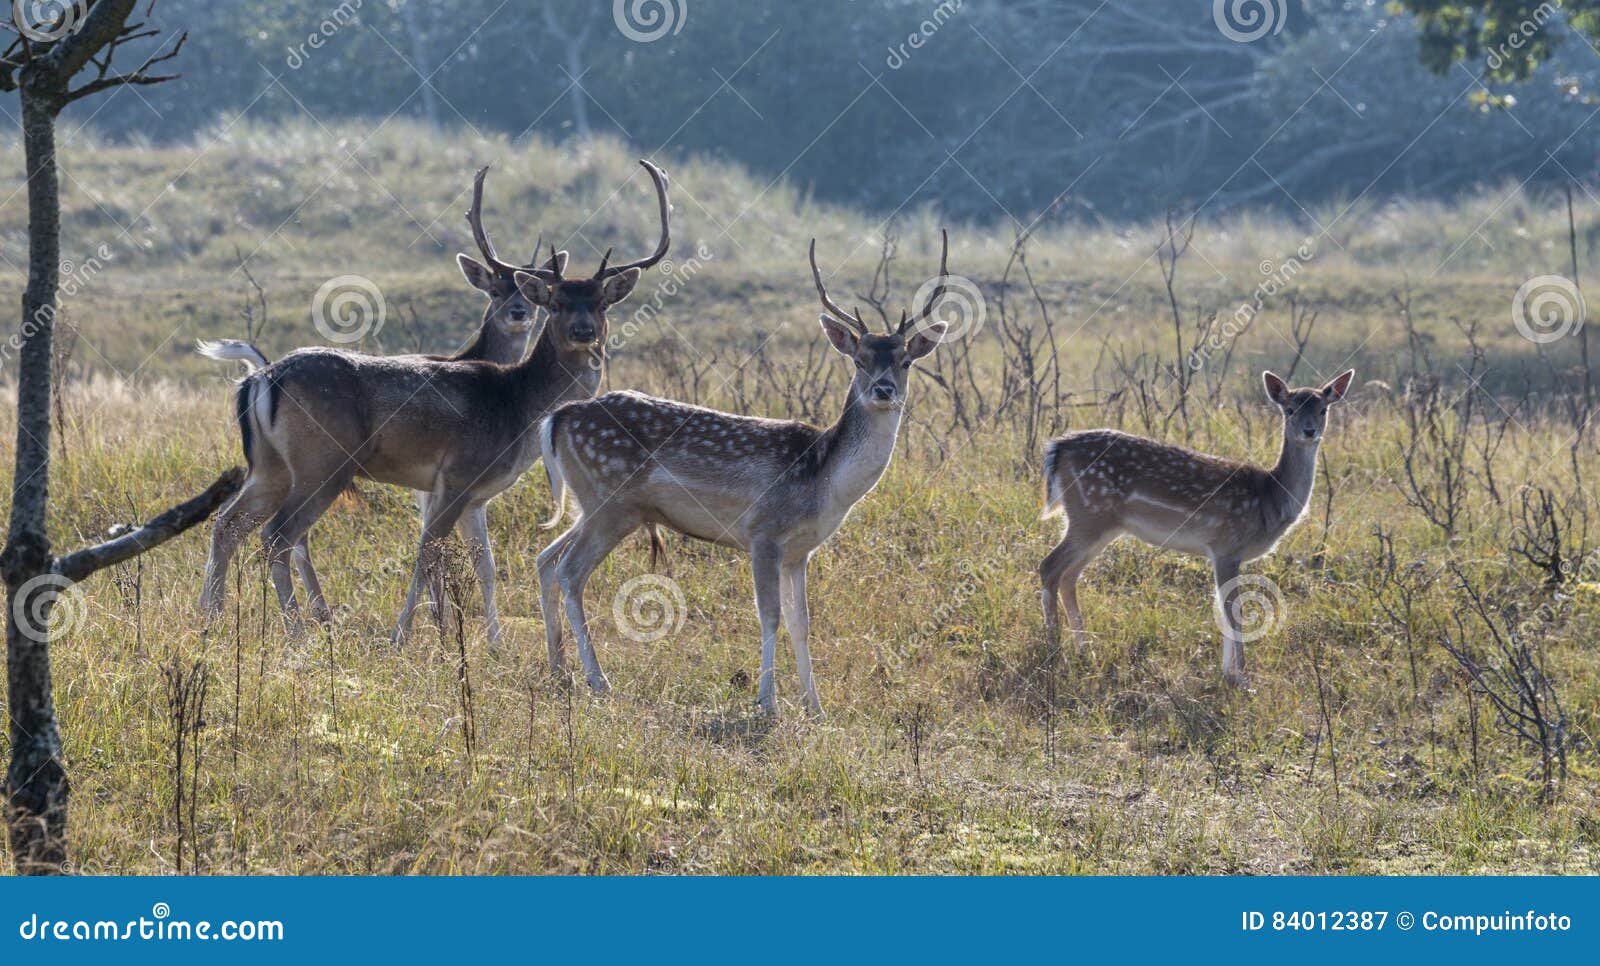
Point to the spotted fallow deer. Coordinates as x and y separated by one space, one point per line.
460 431
1108 483
775 489
502 336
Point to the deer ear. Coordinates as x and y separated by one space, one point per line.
1335 390
839 335
556 263
1277 391
925 341
534 289
478 276
617 287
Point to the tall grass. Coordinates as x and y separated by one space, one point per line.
951 746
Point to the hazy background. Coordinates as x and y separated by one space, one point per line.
1005 108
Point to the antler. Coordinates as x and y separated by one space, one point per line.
551 272
828 303
936 294
660 178
475 219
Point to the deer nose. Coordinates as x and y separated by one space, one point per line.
1310 433
583 333
519 314
883 392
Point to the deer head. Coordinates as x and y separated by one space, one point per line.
509 310
882 362
577 306
1305 411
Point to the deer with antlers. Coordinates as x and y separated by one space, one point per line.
460 431
1108 483
502 336
508 317
775 489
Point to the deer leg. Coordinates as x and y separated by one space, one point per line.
301 555
301 509
797 615
1058 576
550 600
442 514
593 538
474 529
244 513
1227 574
765 563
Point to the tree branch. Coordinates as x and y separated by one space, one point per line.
79 564
105 80
107 20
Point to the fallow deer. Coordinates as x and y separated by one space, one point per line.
775 489
502 337
1110 483
508 318
460 431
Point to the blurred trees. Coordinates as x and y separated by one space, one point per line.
991 108
1509 37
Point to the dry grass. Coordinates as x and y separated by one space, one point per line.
943 751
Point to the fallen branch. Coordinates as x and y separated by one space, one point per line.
79 564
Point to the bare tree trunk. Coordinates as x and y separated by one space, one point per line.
41 70
36 781
574 44
419 47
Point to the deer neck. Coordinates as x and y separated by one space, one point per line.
1293 474
550 375
858 448
493 344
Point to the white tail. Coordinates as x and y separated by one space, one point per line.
552 472
1109 483
233 350
775 489
457 430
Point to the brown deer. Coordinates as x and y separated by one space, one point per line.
502 336
508 318
460 431
1109 483
775 489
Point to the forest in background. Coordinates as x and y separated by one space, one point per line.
991 109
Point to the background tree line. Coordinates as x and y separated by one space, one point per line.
998 107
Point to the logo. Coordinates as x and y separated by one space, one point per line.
646 21
348 309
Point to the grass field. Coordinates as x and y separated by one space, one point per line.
953 744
